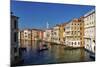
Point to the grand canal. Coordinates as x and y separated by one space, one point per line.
54 54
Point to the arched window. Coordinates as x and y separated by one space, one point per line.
94 41
72 43
78 43
75 43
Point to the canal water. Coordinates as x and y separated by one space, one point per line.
54 54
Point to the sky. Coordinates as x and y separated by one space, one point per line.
36 14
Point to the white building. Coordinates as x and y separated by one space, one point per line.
25 38
55 34
72 33
66 34
48 35
27 34
89 30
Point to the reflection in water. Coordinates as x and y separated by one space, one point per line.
54 54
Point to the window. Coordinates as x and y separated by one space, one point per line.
78 43
92 22
15 24
15 37
80 28
72 43
25 36
75 43
54 33
15 50
94 41
25 33
64 29
59 39
75 32
81 43
72 32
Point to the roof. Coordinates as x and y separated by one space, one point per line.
89 13
37 29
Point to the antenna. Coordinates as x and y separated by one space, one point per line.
47 25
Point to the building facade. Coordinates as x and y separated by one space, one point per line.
40 34
73 34
25 38
82 32
14 39
48 35
55 34
37 34
89 30
61 32
29 36
21 39
67 34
